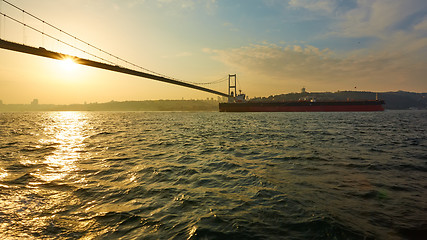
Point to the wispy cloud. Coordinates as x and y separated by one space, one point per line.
422 25
230 27
191 5
179 55
381 18
323 6
395 56
312 65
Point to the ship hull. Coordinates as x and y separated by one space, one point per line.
304 106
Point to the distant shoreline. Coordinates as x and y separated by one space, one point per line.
148 105
394 101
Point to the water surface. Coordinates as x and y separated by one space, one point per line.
175 175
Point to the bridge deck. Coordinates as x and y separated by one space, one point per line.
60 56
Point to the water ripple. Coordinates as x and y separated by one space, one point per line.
145 175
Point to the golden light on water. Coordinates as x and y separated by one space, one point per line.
3 174
65 133
60 148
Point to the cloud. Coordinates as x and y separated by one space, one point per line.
230 27
208 5
396 25
379 18
366 18
393 25
422 25
325 6
312 65
179 55
274 60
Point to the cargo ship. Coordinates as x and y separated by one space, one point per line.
304 106
238 103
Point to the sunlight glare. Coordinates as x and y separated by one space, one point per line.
68 64
65 131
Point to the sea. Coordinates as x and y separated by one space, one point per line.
212 175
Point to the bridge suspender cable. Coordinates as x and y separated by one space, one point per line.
60 56
109 65
92 46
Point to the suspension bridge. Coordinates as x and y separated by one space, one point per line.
96 62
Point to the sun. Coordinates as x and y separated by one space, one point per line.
68 64
69 69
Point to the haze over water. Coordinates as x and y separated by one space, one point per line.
177 175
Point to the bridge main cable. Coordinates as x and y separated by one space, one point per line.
88 44
149 72
60 56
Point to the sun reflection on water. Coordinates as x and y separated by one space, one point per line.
32 199
64 131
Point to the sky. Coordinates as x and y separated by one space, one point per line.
274 47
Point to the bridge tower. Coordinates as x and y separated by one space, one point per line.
232 84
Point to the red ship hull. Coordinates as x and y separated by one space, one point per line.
304 106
